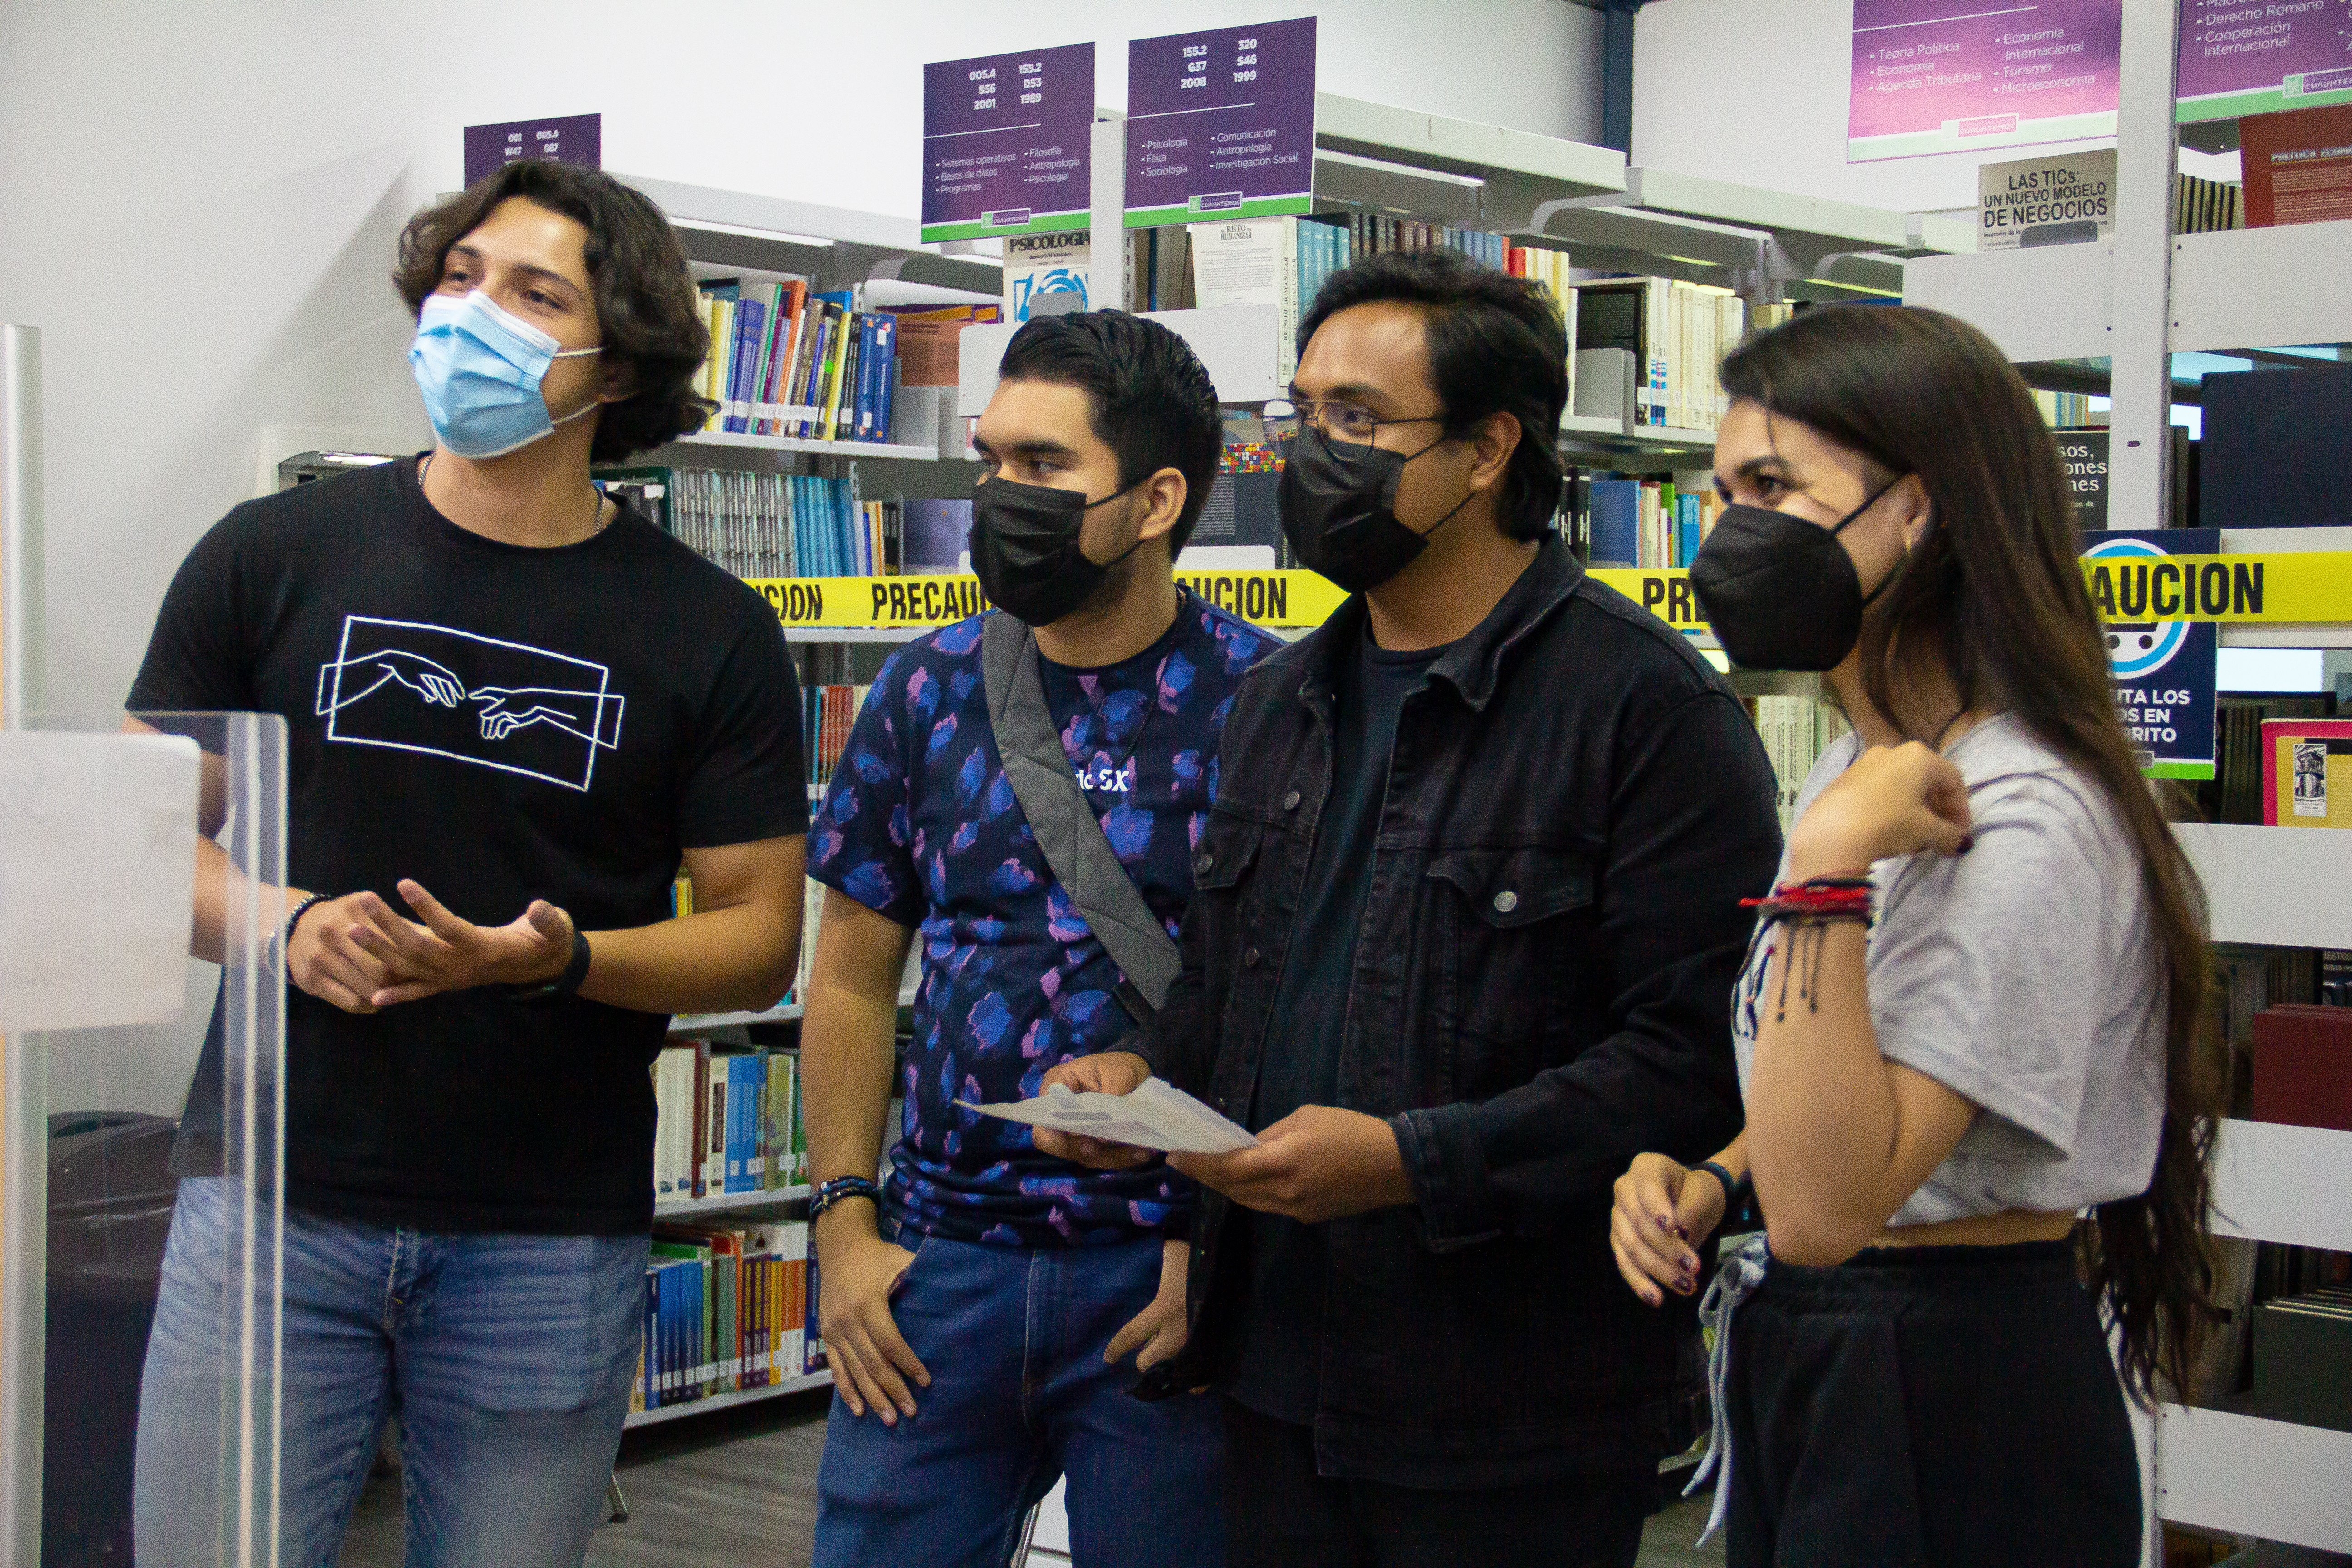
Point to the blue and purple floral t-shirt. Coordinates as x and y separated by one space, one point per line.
920 826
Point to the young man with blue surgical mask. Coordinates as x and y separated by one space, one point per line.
516 710
977 1305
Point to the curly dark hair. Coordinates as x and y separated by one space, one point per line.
646 299
1496 344
1151 400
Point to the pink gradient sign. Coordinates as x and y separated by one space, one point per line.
1945 76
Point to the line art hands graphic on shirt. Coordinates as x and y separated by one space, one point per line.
504 710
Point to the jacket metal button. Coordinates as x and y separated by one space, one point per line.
1249 958
1290 801
1202 861
1506 902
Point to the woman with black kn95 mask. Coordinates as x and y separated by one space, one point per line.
1980 1086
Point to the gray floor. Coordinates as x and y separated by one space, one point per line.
738 1489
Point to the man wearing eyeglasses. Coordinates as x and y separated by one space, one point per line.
1468 920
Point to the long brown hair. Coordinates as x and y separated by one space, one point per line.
1991 598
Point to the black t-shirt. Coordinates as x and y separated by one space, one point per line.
498 723
1274 1370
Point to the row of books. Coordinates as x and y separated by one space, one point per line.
727 1120
827 715
1652 523
770 525
787 360
1796 731
2065 410
1678 334
727 1309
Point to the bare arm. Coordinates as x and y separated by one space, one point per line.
846 1057
846 1045
737 952
1839 1137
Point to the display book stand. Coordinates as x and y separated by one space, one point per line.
2129 318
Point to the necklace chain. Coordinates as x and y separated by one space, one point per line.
595 523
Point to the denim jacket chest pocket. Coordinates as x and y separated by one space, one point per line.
1510 930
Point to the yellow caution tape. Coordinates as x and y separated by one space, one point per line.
2290 587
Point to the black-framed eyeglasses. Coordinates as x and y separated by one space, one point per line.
1348 428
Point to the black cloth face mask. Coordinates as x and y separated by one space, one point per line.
1780 592
1024 549
1336 513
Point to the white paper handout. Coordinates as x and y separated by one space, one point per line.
1156 1115
97 871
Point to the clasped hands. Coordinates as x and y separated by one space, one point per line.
1318 1164
357 954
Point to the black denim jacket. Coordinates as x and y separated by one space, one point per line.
1542 989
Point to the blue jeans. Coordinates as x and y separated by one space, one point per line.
1014 1340
508 1359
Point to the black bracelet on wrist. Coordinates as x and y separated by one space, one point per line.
1730 1187
832 1192
284 935
567 983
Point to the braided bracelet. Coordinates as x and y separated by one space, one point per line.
1810 906
832 1192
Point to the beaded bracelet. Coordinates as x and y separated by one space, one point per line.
831 1192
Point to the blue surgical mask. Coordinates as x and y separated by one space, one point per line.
480 368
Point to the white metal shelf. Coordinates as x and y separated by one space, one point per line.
2049 304
2246 1475
1519 167
2280 886
2261 288
703 1407
899 451
2276 1183
2240 289
727 1202
689 1023
855 634
784 1011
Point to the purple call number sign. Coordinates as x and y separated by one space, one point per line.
570 138
1221 124
1937 75
2272 52
1005 143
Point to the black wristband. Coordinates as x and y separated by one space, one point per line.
832 1192
284 935
1730 1187
564 984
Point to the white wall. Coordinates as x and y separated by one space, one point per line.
201 200
1754 91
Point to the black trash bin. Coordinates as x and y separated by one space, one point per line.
110 1197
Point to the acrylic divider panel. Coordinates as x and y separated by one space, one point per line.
122 829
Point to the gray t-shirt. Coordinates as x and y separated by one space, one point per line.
2020 977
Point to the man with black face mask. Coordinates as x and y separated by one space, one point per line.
976 1308
1467 920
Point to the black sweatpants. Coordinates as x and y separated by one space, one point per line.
1280 1514
1928 1407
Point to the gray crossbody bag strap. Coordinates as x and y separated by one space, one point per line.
1068 833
